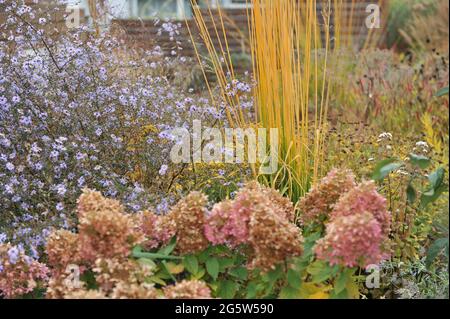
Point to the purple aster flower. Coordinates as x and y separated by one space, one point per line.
60 207
163 170
61 189
10 166
13 255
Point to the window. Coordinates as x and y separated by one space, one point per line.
174 9
235 3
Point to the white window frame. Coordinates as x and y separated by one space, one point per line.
181 7
228 4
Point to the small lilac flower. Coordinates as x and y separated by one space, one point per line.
61 189
163 170
10 166
13 255
2 238
25 120
98 132
59 207
16 99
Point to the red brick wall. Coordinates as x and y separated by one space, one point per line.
144 34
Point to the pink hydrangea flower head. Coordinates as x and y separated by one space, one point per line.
218 225
158 229
62 250
91 201
318 203
350 241
364 198
272 236
106 231
189 218
19 273
188 289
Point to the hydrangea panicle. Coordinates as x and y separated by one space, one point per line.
189 217
107 232
361 199
19 274
351 241
158 229
188 289
318 203
62 250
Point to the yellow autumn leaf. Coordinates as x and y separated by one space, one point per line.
352 289
320 295
311 291
175 269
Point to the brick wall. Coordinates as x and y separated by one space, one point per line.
144 33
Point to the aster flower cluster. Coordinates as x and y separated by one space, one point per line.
77 111
317 205
358 229
261 218
19 273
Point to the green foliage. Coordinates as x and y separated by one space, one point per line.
384 168
442 92
435 249
436 186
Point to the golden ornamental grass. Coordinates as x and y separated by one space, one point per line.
290 44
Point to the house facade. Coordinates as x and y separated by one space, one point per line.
146 9
139 22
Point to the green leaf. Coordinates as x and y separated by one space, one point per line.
436 178
199 275
294 278
435 249
157 280
343 294
419 160
251 290
322 276
289 292
191 264
342 280
272 276
212 267
166 268
432 195
411 194
138 253
310 241
204 255
167 250
147 262
384 168
443 91
320 271
239 272
225 263
227 289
